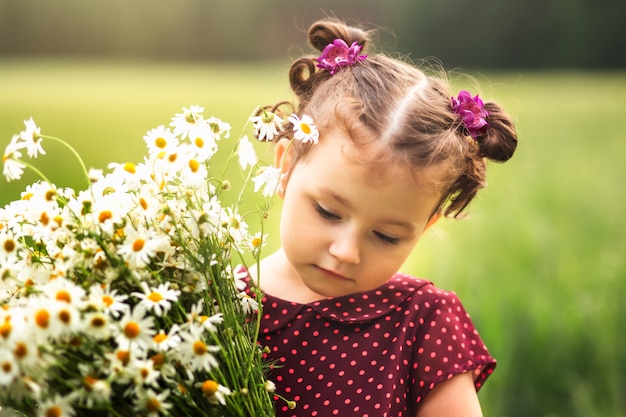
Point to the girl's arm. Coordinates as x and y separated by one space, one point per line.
455 397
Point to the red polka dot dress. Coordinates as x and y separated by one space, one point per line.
377 353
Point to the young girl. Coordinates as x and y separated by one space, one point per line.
350 335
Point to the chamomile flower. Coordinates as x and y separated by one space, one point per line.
152 403
266 125
186 121
136 330
94 390
163 341
143 373
248 304
158 299
220 129
268 178
12 167
9 367
141 246
214 392
32 138
246 153
304 128
107 300
57 406
98 325
195 352
202 140
160 140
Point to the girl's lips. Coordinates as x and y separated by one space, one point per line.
332 274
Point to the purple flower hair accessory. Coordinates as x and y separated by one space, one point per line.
338 54
472 112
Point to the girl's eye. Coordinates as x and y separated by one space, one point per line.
325 213
386 239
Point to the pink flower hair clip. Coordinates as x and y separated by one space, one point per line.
338 54
472 112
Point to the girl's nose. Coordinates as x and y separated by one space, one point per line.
346 248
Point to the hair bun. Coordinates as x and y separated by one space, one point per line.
499 140
326 31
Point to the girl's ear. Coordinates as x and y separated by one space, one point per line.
283 159
433 219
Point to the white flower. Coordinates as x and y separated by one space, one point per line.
32 138
215 393
159 299
104 299
57 406
266 125
304 128
184 122
165 341
152 403
195 352
248 304
160 140
268 178
140 246
142 372
12 167
246 153
9 368
136 330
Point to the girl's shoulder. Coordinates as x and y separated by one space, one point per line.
402 293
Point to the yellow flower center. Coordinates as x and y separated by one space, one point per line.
194 165
160 143
97 322
54 411
160 338
305 128
155 297
64 295
27 196
20 351
42 318
131 330
44 219
7 367
9 245
158 360
123 356
107 300
5 329
199 142
172 157
138 245
50 195
209 387
199 347
65 316
153 405
104 216
130 167
143 203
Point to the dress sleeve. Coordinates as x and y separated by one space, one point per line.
447 344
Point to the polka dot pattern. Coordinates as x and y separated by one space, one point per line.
377 353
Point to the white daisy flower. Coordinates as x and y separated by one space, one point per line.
246 153
104 299
195 352
158 299
98 325
304 128
152 403
160 140
12 167
215 393
165 341
219 128
143 373
136 330
266 125
248 304
268 178
202 140
57 406
9 367
187 120
32 138
140 246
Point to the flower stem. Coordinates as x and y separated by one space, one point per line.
73 151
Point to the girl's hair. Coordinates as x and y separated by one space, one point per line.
401 113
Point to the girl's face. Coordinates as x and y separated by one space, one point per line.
347 227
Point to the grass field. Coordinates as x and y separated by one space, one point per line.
539 263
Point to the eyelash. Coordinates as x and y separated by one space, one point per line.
387 240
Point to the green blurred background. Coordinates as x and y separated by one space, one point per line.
539 263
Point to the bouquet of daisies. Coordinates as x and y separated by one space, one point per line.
127 298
